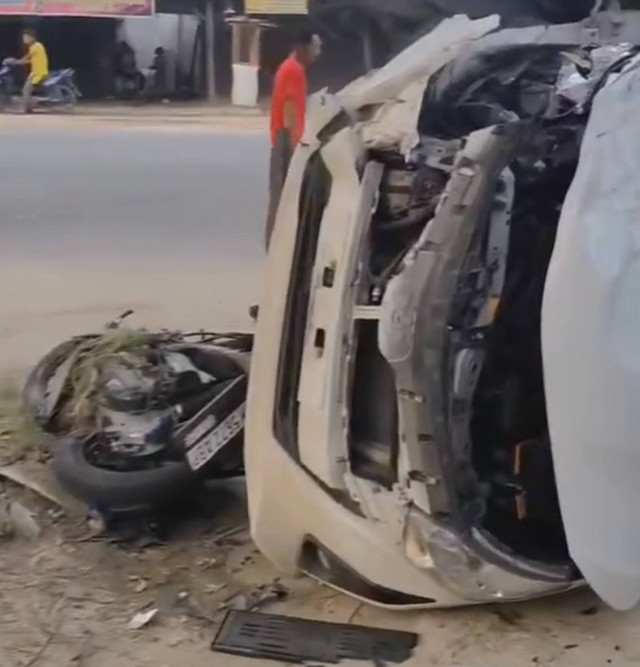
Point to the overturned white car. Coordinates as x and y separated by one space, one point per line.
445 387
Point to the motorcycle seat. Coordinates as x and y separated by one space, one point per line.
56 76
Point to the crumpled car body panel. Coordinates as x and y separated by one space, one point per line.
591 345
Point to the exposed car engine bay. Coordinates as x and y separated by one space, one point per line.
499 439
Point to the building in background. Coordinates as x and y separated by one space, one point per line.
355 35
277 7
260 41
77 33
177 35
95 37
212 46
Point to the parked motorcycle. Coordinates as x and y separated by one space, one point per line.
57 90
135 420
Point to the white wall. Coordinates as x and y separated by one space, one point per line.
173 33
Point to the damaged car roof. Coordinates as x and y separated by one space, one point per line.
511 11
552 11
389 101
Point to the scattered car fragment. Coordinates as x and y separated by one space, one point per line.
397 390
23 521
301 641
135 418
257 598
142 619
17 521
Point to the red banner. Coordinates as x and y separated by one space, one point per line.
107 8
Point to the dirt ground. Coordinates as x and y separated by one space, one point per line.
67 599
68 595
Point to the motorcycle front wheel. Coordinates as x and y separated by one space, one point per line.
68 98
5 100
118 490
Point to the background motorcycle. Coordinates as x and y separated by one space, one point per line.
57 90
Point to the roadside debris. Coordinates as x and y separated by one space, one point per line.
96 524
137 419
17 521
295 640
23 521
192 608
257 598
510 615
142 619
209 563
590 611
140 584
213 589
38 478
224 536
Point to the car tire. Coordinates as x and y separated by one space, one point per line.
115 491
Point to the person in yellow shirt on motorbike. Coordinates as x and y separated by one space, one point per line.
38 62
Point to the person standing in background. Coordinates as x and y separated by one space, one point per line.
288 109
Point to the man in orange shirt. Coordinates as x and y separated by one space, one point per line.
288 110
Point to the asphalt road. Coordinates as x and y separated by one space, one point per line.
100 218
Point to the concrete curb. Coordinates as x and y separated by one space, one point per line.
182 111
138 121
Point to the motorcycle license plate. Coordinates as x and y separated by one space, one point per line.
215 425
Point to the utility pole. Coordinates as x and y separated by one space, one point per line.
367 46
209 47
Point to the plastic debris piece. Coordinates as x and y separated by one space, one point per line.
260 596
23 522
142 619
214 588
141 586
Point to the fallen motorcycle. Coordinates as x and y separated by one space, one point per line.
137 419
58 90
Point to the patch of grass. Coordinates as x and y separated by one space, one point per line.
19 436
132 348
